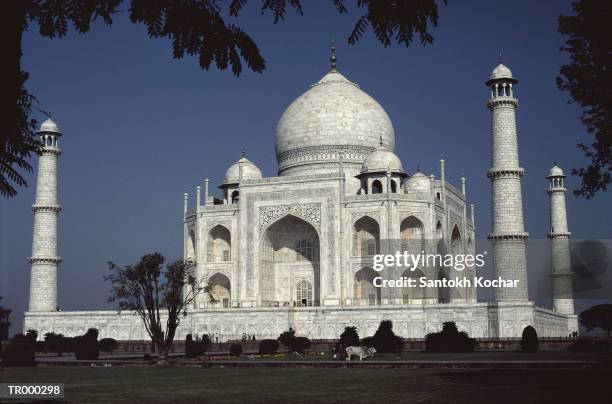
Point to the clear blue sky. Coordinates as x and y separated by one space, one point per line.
141 128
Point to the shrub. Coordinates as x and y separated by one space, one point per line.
39 346
18 354
529 340
349 337
108 344
287 338
235 350
32 335
385 340
87 347
268 346
449 340
193 349
21 339
206 343
300 344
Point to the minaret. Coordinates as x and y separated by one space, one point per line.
507 235
45 260
562 293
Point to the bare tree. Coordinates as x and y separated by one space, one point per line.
147 289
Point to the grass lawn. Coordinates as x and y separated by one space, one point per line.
179 385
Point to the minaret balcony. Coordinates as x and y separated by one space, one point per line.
502 102
505 172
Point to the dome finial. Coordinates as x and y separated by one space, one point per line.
243 153
332 58
500 57
418 168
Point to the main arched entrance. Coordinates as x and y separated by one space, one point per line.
289 264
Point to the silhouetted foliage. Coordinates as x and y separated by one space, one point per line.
591 345
349 337
300 344
108 344
87 347
295 344
194 28
206 343
287 338
385 340
235 350
32 335
193 348
588 79
599 316
147 289
268 346
529 340
58 343
449 340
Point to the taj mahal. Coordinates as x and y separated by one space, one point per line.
296 250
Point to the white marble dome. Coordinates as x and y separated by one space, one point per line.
242 169
382 159
501 71
418 183
333 118
555 171
49 126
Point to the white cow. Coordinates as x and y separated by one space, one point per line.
360 351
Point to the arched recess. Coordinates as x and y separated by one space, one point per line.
439 231
221 289
456 248
412 235
191 246
235 196
377 187
415 294
393 186
366 237
219 244
443 273
456 245
288 257
364 291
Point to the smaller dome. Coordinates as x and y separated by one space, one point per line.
382 159
556 171
418 183
501 72
49 126
242 169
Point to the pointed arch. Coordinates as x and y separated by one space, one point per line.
412 235
288 257
377 187
235 197
364 291
219 244
439 231
456 242
393 186
191 245
221 289
366 237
